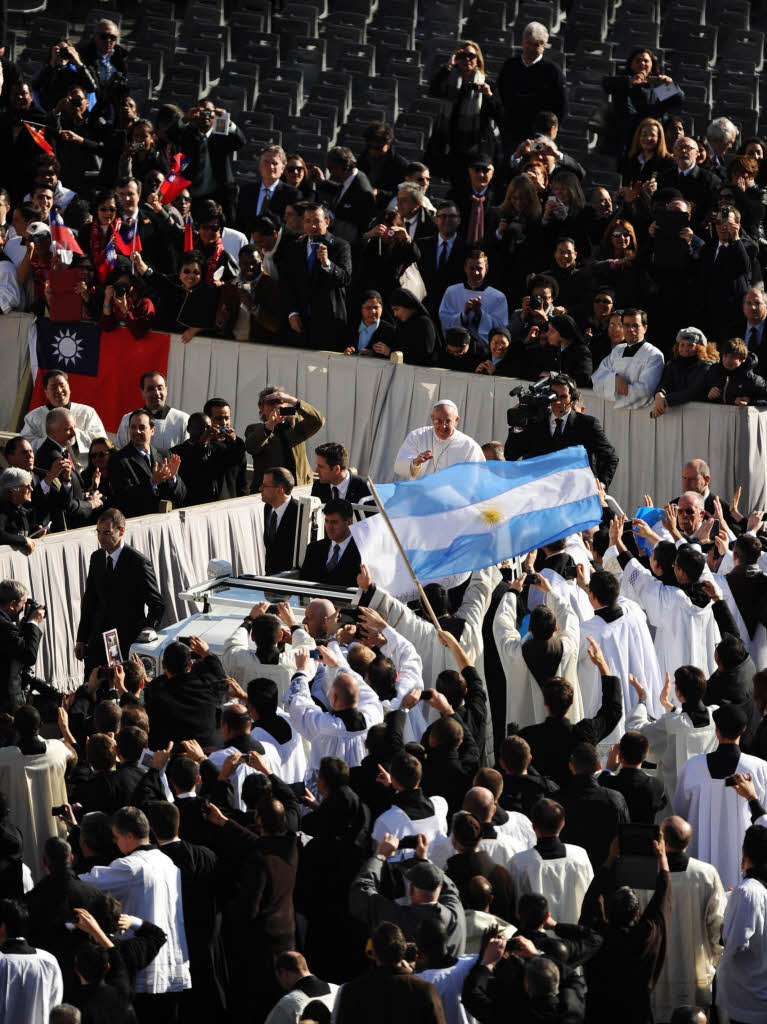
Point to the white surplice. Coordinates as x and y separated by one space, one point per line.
694 946
148 885
642 371
459 447
719 817
563 880
685 633
741 981
30 986
524 697
627 645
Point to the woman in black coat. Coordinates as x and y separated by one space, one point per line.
185 304
684 374
416 335
19 520
372 336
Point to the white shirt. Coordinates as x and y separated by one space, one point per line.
345 186
447 245
233 242
553 421
279 512
115 555
167 432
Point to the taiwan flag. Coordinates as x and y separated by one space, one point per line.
177 179
104 367
126 237
61 234
39 137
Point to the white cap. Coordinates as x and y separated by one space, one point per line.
447 403
36 229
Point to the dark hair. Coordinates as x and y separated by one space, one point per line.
29 211
543 281
131 741
339 507
406 770
141 412
691 561
547 816
12 444
190 257
15 916
183 773
605 587
334 772
265 630
341 157
272 815
533 910
164 818
389 943
91 962
107 716
623 907
101 752
177 658
282 478
633 311
748 549
634 746
544 121
515 753
562 380
333 453
558 696
543 622
634 53
584 759
378 131
103 196
266 224
447 732
382 676
50 375
57 854
131 821
731 651
95 830
255 788
235 719
215 403
451 685
691 683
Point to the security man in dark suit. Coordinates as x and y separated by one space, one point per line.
73 507
442 256
335 480
336 559
319 268
140 475
280 519
563 428
349 195
121 593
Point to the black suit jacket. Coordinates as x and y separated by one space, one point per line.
184 707
357 489
212 472
315 564
592 816
128 600
385 332
724 280
644 796
279 552
68 508
354 211
131 481
283 195
435 280
318 297
699 187
18 654
535 439
425 226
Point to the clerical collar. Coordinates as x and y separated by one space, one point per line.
160 414
50 407
312 987
610 614
550 848
677 862
698 714
487 831
631 350
723 761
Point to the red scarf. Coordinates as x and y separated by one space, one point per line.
218 248
98 256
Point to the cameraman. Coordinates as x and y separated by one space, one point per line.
280 438
63 71
213 457
561 427
20 635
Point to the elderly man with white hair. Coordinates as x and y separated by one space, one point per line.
721 135
528 84
428 449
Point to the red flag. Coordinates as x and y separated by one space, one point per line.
103 366
39 138
126 236
61 234
188 235
176 181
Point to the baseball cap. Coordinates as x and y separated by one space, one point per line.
36 229
426 876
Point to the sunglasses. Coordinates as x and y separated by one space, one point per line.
466 55
107 35
292 169
621 234
208 227
481 169
191 273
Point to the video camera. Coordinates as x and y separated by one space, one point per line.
534 403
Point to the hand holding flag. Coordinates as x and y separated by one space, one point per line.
177 179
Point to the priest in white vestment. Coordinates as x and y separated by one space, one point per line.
549 649
428 449
630 373
561 871
620 628
694 942
718 816
148 885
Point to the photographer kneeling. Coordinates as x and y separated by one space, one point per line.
20 634
546 421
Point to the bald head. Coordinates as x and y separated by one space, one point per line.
479 802
316 617
479 893
345 692
677 833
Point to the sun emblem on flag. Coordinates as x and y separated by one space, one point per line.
67 347
491 515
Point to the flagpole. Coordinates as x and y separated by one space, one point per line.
405 559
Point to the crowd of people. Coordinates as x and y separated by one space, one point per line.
540 798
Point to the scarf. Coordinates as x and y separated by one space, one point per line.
218 248
467 108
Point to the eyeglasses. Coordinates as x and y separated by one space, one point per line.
466 55
188 272
107 209
621 234
293 169
208 227
185 199
108 35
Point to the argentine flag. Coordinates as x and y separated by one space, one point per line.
476 514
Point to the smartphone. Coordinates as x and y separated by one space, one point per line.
426 695
730 780
533 578
408 842
314 654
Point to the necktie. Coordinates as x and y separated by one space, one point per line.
311 258
476 230
110 565
753 339
442 256
558 425
271 526
334 557
334 493
265 200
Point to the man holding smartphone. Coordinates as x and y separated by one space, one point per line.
280 438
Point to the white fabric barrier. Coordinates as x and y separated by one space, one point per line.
179 544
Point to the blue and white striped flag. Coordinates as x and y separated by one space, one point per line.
476 514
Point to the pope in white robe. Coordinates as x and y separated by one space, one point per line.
627 645
428 449
719 817
562 880
640 366
33 783
524 697
30 983
148 885
685 633
694 942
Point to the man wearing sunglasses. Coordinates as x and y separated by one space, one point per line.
104 57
